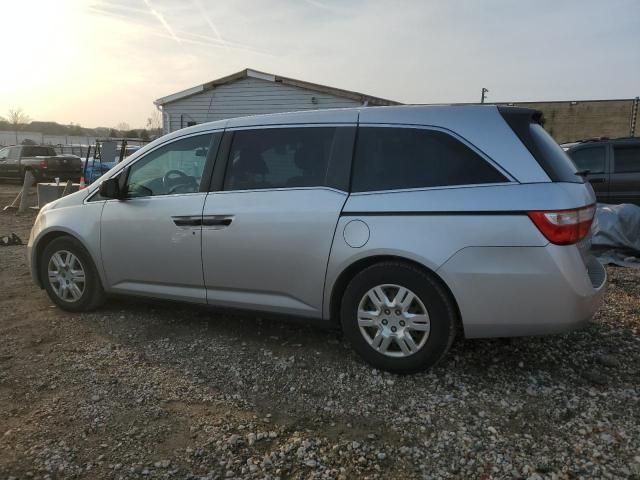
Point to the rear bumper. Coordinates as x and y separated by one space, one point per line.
519 291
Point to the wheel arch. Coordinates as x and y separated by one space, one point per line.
348 273
41 244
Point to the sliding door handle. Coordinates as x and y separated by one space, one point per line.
218 221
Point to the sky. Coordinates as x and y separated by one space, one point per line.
102 62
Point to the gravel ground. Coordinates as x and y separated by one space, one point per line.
143 389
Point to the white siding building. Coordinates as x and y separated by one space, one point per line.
250 92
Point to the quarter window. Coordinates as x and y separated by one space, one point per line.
627 159
172 169
280 158
591 159
396 158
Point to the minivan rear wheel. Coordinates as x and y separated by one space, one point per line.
398 317
69 276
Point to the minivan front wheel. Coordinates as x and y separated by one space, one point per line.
69 276
398 317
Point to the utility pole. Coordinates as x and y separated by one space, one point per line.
484 90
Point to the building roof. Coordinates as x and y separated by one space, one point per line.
249 73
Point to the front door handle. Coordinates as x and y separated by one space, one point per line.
187 220
217 221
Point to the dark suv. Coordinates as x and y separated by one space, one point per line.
613 168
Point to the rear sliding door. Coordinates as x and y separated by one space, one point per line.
267 230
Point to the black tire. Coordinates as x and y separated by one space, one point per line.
443 317
92 294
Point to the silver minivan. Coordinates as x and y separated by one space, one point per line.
401 225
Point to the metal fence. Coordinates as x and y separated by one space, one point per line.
15 138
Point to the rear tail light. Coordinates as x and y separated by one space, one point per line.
44 163
564 227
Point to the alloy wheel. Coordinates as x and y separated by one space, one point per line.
393 320
66 276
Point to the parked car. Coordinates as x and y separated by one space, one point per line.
97 167
400 225
42 161
612 166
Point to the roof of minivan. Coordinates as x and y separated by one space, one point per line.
406 114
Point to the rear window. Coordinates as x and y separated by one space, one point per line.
592 159
554 161
38 151
626 159
389 158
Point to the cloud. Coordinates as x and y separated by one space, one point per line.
162 20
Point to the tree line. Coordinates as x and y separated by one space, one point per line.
19 121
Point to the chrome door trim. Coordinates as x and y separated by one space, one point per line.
440 187
290 125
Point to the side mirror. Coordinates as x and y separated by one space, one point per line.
110 188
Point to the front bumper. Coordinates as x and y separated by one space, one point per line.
521 291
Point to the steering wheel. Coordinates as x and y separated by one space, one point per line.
173 180
167 176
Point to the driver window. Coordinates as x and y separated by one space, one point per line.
172 169
4 153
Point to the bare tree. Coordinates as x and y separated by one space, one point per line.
123 127
154 124
16 118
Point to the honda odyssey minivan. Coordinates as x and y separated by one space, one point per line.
404 226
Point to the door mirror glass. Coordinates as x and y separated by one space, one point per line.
110 188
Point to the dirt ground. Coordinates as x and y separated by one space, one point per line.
143 389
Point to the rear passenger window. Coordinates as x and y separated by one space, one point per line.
396 158
280 158
591 159
627 159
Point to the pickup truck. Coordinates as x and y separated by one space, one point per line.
42 161
612 166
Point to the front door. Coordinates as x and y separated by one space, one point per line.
4 154
151 241
12 164
267 232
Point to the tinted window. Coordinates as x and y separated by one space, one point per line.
174 168
627 159
591 159
38 151
395 158
525 123
550 154
279 158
